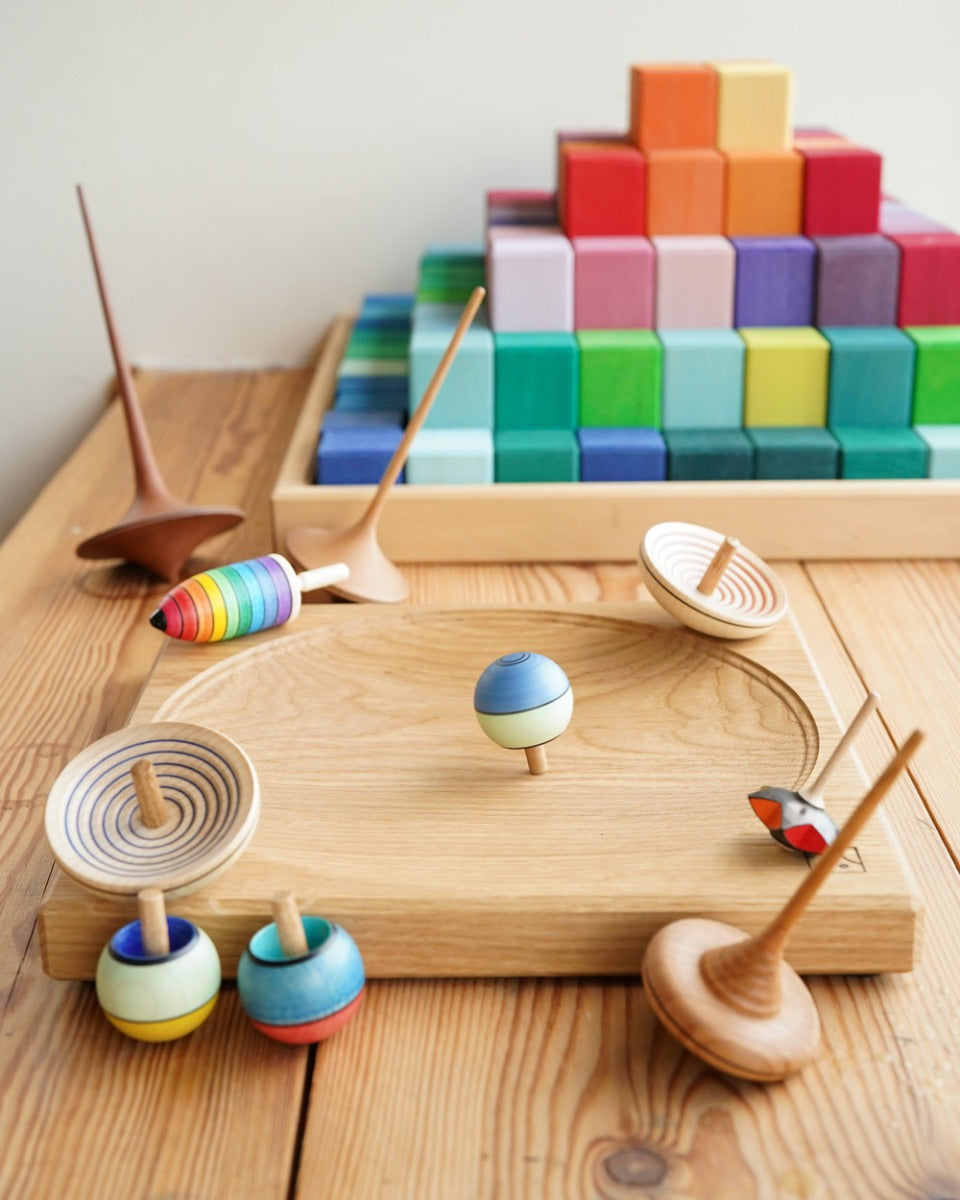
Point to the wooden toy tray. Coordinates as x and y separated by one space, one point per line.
570 522
385 807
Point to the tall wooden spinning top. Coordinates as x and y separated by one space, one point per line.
731 999
373 576
158 532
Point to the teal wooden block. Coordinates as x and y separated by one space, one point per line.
465 399
702 378
708 454
881 453
621 374
871 375
943 444
537 381
451 456
800 452
536 456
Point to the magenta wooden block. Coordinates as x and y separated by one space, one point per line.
529 279
695 282
858 280
613 282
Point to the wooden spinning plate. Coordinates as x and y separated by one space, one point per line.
387 809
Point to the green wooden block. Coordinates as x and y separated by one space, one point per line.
805 452
936 386
881 453
943 442
621 374
708 454
871 375
378 343
536 456
537 380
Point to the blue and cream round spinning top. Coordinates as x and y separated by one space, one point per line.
523 701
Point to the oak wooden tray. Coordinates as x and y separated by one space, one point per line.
567 522
385 807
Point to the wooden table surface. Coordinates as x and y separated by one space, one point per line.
450 1089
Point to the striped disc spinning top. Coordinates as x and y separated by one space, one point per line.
167 805
710 582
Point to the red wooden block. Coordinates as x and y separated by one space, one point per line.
929 278
842 190
602 189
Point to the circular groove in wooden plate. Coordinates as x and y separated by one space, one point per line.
93 822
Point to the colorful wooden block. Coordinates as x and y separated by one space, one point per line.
708 454
871 375
694 282
858 280
619 454
785 377
449 273
936 386
530 274
465 399
378 341
536 456
521 208
898 218
754 105
361 418
764 193
385 310
672 105
537 379
841 190
451 456
881 453
362 392
620 377
794 452
357 454
613 283
601 189
774 281
685 191
929 278
702 379
943 445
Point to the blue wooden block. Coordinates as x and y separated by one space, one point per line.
881 453
616 454
372 392
361 418
451 456
465 399
871 375
708 454
943 442
775 280
794 452
357 455
702 378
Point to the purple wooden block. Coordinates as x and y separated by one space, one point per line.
775 281
858 280
897 218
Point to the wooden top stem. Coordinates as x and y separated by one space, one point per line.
814 795
290 931
155 812
718 564
154 933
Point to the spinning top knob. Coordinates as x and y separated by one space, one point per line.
158 978
300 979
523 701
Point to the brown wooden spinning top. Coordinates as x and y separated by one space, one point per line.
158 532
373 576
731 999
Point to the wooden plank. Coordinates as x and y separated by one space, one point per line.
533 1089
601 522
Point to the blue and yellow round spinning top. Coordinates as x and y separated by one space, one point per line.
522 701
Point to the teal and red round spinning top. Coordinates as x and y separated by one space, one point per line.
522 701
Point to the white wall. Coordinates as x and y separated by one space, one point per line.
254 167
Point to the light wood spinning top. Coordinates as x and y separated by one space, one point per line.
166 804
731 999
710 582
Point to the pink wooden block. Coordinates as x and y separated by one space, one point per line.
530 279
613 283
695 282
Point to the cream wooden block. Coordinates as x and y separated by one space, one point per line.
754 105
386 808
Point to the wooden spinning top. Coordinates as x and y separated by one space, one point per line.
522 701
731 999
710 582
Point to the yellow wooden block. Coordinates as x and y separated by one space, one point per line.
785 376
754 105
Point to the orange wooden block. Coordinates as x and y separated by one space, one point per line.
764 193
673 106
685 191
